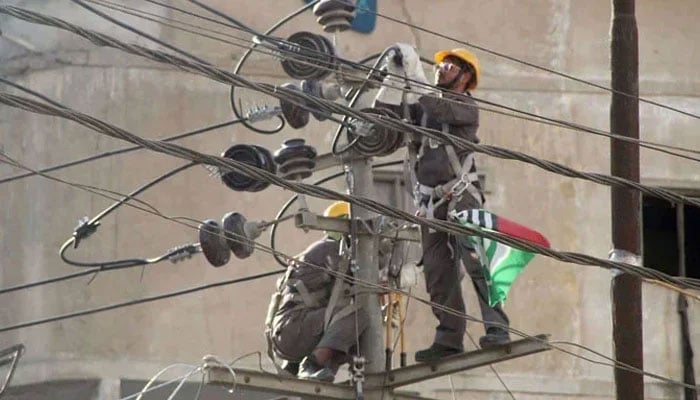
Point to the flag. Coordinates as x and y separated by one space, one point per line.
501 263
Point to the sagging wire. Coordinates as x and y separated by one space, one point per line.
450 227
139 32
117 152
138 301
566 124
528 115
596 262
526 63
147 388
156 387
447 309
87 227
537 118
615 364
247 54
226 77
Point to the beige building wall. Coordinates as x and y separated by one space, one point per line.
569 302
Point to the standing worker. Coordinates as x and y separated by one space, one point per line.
445 180
312 324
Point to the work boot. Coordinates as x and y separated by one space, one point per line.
309 369
435 352
494 337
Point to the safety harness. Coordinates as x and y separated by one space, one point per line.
464 180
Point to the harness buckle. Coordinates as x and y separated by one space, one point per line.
460 186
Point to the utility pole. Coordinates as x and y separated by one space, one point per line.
361 184
624 162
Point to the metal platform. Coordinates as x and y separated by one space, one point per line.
375 384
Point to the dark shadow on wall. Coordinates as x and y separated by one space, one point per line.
55 390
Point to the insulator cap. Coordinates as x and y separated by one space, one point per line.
335 15
253 155
296 159
381 141
214 247
307 55
237 240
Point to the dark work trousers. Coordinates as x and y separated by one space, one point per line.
441 265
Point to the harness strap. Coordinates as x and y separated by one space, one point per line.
310 299
271 311
335 292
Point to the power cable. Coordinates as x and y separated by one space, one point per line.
280 92
46 281
529 64
138 301
89 227
138 32
300 59
117 152
352 279
227 164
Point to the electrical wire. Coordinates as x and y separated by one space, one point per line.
193 369
114 152
526 115
279 92
247 54
615 364
529 64
142 300
89 227
150 389
227 164
604 262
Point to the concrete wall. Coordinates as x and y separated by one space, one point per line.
571 303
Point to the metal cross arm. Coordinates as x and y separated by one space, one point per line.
450 365
309 221
220 375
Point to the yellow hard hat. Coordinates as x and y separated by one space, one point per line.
337 210
466 56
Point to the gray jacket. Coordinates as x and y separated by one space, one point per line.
461 113
306 272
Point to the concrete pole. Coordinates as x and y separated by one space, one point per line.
626 205
372 344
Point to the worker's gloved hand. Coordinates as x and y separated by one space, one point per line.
405 71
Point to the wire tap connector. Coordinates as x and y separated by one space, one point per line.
262 113
83 230
183 252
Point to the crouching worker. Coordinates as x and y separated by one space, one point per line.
312 323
